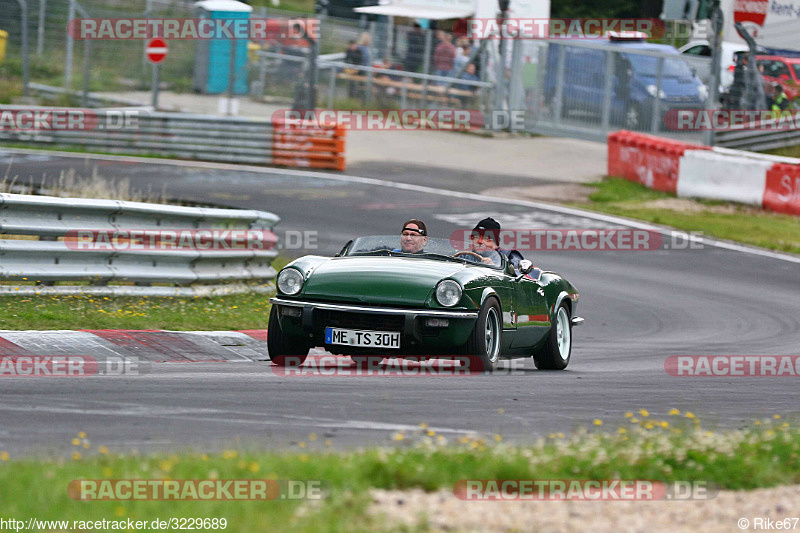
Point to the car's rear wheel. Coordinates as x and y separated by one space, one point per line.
556 352
282 351
486 339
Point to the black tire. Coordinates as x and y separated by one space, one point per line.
550 356
282 352
485 342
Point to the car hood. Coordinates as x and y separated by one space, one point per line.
377 280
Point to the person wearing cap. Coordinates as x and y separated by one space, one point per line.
485 239
413 237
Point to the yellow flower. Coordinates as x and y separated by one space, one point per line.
551 436
689 414
398 436
102 449
254 467
76 441
303 458
76 456
423 425
644 412
82 434
4 456
664 424
628 414
86 445
776 417
328 442
498 438
649 425
312 436
622 430
230 454
301 444
757 423
431 433
107 472
674 412
560 435
597 422
119 511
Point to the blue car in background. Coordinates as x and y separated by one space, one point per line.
634 79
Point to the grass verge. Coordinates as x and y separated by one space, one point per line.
231 312
673 447
722 220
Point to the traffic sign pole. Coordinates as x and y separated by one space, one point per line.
155 87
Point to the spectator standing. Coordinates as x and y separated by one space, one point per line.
416 49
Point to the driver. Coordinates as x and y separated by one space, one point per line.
413 237
485 238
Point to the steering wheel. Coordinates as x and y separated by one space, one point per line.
467 252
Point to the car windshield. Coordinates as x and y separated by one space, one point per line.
648 66
434 249
796 68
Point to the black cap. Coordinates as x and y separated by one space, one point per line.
488 225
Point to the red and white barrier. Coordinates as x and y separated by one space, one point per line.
698 171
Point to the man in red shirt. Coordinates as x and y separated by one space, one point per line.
445 55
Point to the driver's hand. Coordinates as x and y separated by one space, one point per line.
487 260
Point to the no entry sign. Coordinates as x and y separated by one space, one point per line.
156 51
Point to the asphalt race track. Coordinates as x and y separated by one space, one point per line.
640 308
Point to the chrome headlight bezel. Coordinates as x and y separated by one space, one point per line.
448 293
290 281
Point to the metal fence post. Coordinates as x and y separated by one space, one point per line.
40 36
23 5
559 84
608 88
656 118
426 65
70 44
87 72
515 93
332 86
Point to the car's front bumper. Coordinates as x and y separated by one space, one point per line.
416 335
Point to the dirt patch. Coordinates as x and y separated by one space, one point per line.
562 192
441 511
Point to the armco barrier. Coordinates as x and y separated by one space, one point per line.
699 171
201 137
49 260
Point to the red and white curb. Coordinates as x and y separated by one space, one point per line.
155 346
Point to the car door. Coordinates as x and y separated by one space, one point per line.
530 310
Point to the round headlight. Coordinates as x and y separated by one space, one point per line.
448 293
290 281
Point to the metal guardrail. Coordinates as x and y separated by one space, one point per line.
48 260
757 140
200 137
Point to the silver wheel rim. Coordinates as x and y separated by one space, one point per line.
492 335
563 333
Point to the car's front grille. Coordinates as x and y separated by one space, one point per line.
345 319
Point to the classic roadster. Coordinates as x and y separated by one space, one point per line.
373 300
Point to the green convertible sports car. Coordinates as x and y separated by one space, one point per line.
374 300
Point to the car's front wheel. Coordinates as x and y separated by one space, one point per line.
485 342
555 354
282 351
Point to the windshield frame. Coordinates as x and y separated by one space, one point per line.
348 251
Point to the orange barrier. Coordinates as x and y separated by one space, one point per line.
782 189
301 144
647 159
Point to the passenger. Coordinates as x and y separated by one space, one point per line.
485 239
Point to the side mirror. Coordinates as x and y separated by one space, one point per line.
525 266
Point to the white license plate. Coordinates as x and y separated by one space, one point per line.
363 338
